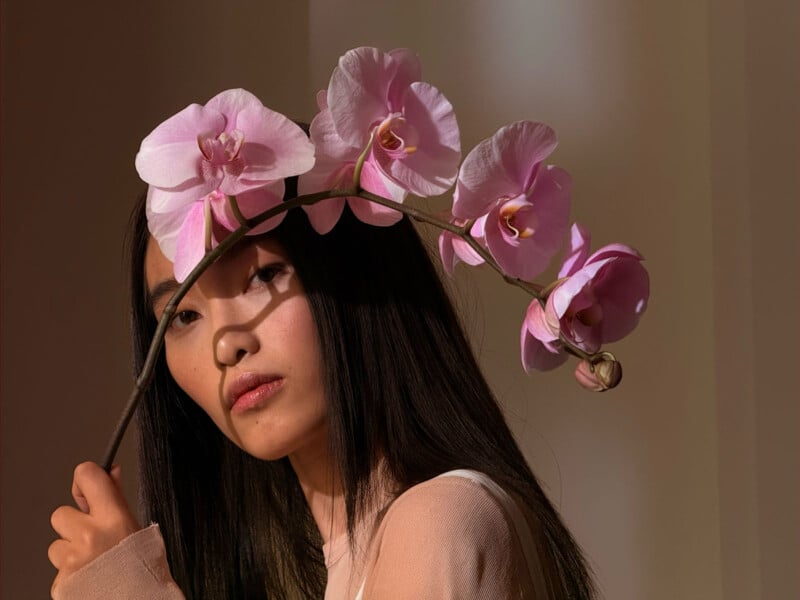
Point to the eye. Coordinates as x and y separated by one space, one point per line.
267 273
183 319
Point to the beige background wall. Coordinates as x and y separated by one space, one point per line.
679 124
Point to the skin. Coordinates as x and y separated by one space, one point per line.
246 315
100 522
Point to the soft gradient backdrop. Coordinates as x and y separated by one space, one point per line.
679 124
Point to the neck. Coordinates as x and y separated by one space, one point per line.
321 485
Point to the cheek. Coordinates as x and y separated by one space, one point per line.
187 371
307 344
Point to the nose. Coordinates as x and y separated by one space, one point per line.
233 345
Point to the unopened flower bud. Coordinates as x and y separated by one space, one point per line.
606 375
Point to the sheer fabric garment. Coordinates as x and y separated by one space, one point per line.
458 535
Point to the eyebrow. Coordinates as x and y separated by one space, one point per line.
167 287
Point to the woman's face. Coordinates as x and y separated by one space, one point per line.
243 345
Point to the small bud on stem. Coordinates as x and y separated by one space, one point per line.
599 376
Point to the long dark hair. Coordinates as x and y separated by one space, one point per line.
402 387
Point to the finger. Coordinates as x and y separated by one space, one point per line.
97 489
55 584
68 521
60 576
116 477
63 556
57 551
80 499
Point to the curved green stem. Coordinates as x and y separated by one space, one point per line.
360 163
207 225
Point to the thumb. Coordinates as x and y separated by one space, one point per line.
97 489
116 477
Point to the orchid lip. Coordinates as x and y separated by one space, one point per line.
246 383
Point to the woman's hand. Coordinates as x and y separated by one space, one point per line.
103 520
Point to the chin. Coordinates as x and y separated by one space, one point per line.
262 452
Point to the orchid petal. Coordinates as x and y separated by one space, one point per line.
528 257
322 99
585 323
251 204
169 165
164 227
521 148
446 252
327 142
432 167
373 180
165 201
409 70
169 155
190 246
578 251
185 126
453 249
481 183
538 324
466 253
324 215
257 201
274 147
325 175
357 93
563 295
373 213
623 289
550 315
504 165
615 251
232 102
221 211
537 355
478 230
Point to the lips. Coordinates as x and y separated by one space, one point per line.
250 390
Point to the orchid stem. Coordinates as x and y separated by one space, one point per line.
236 211
360 164
207 229
463 231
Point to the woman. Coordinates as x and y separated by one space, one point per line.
312 390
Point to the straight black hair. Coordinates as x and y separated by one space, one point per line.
403 390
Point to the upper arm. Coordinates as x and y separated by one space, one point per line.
446 538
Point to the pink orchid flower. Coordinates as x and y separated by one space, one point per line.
600 299
376 98
521 205
232 144
194 160
603 296
334 169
